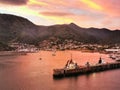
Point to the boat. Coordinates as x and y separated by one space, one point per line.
40 58
54 53
72 68
112 56
115 56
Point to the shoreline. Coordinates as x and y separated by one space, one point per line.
11 53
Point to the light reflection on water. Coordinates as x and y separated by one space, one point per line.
30 73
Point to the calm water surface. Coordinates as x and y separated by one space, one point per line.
30 73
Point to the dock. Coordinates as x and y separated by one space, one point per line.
58 73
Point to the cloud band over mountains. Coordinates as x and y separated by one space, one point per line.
86 13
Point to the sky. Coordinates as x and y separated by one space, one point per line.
85 13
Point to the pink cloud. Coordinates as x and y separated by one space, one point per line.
111 7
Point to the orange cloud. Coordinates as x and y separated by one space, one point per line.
58 18
59 14
36 2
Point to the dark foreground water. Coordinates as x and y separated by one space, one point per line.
30 73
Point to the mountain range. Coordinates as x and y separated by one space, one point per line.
18 29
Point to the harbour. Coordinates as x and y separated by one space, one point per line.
64 45
27 72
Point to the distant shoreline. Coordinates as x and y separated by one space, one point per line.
82 50
11 53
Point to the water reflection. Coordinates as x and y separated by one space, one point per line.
29 73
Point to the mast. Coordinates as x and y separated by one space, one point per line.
71 56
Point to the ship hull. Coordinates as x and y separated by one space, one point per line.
58 73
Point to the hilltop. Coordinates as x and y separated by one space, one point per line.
18 29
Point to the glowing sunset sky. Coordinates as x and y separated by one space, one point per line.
85 13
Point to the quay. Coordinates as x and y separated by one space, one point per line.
79 70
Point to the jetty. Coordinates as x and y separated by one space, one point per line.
79 70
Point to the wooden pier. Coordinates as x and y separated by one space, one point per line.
57 73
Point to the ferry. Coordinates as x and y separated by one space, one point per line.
72 68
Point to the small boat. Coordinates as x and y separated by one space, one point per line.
40 58
112 56
54 53
117 59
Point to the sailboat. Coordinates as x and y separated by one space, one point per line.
54 53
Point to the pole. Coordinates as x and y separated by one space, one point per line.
71 56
